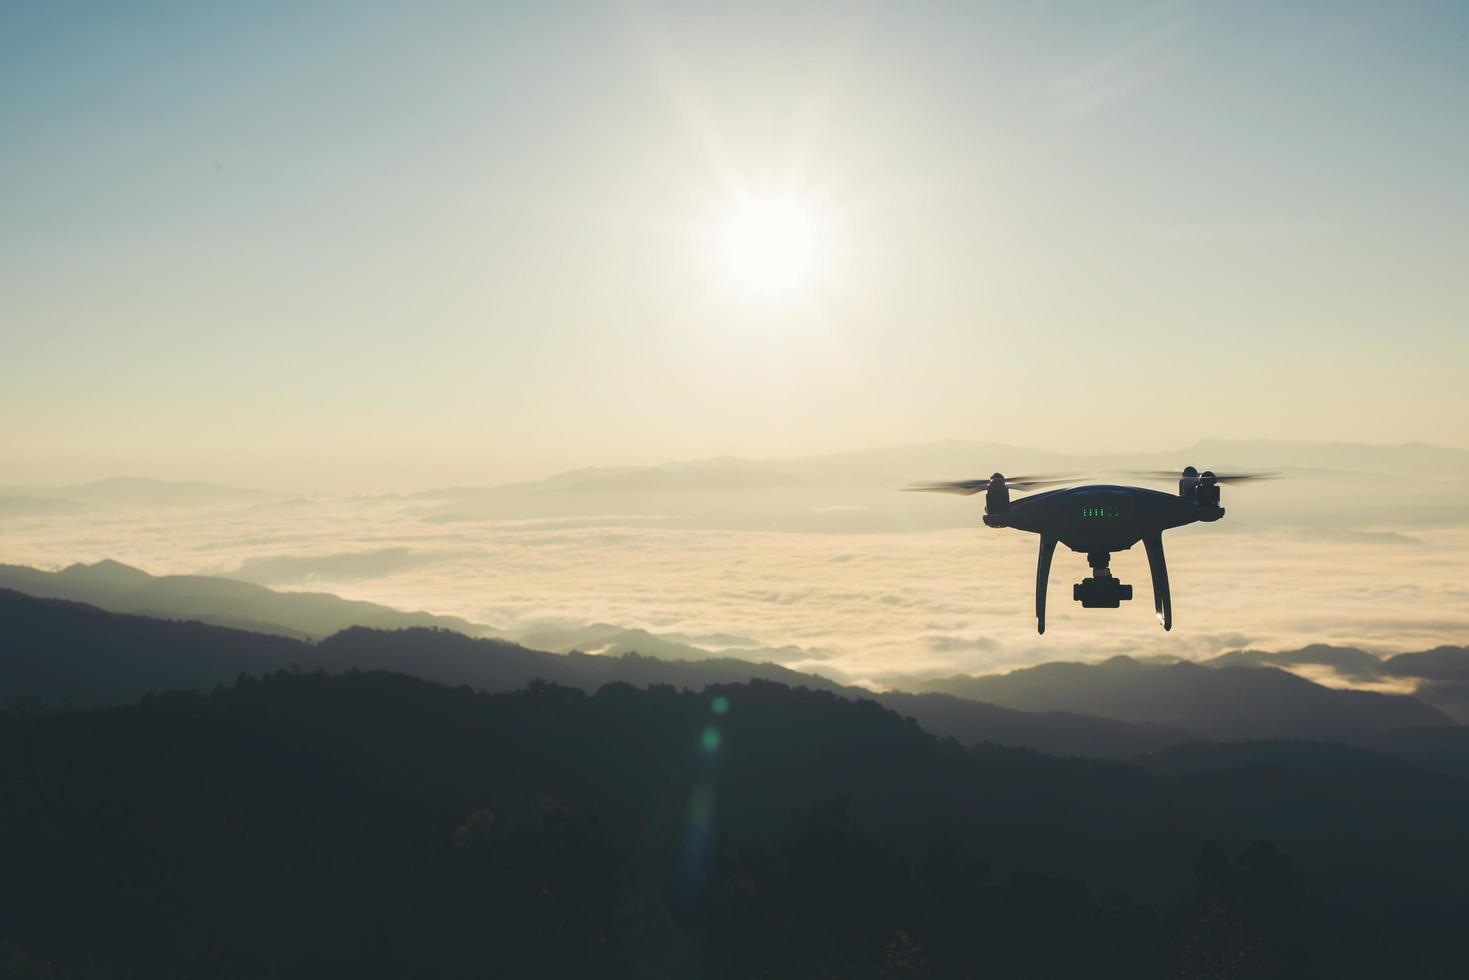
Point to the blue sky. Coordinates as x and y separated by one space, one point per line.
425 243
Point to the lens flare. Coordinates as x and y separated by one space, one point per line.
711 740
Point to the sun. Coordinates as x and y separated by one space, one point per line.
770 244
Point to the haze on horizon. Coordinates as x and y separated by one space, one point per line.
815 563
394 246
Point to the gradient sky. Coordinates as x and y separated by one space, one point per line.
412 244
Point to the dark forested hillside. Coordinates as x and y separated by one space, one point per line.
57 652
495 665
1054 732
61 653
371 824
65 653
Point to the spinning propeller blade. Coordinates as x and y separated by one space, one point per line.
964 487
1152 474
1244 477
1218 477
968 487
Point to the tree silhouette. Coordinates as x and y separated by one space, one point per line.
377 825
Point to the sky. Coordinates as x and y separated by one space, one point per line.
394 246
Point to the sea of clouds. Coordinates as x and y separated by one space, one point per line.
856 606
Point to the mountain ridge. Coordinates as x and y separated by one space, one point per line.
66 653
121 588
1249 701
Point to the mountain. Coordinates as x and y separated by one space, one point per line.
373 825
1407 459
55 652
496 665
71 653
590 638
855 491
63 653
231 602
1349 663
1228 702
1444 663
1443 674
1053 732
117 587
67 652
607 640
74 654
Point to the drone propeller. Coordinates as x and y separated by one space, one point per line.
1218 477
1244 477
968 487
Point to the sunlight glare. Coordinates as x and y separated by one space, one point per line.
770 243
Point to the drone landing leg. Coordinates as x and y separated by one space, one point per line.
1162 598
1042 577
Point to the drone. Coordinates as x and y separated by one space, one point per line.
1097 520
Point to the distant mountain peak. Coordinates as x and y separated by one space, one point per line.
107 571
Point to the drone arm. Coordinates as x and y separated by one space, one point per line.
1042 577
1162 597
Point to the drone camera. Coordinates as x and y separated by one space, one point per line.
1101 593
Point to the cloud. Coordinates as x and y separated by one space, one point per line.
856 605
351 566
960 644
1354 536
1219 642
